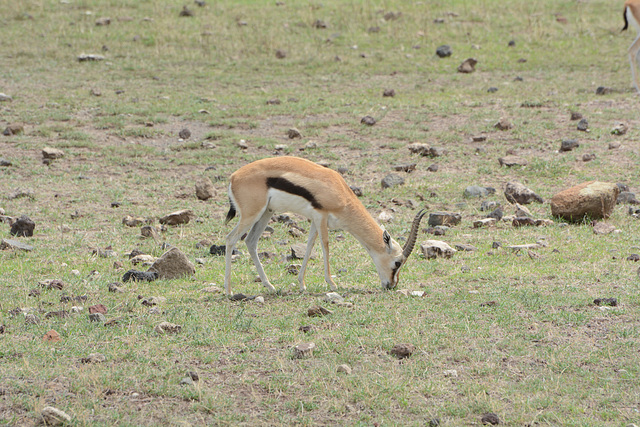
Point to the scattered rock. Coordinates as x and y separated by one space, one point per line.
51 336
450 373
186 381
492 89
139 276
402 351
61 314
368 120
240 297
477 191
619 129
468 66
583 125
13 129
490 418
299 249
392 180
294 133
303 350
4 162
633 257
103 21
130 221
611 302
54 417
407 167
603 90
433 168
463 247
281 54
601 228
94 358
389 93
436 248
419 148
522 211
97 317
6 244
588 157
52 153
5 98
205 189
305 329
87 57
149 231
259 300
444 51
179 217
444 218
172 264
510 161
614 145
518 193
627 197
523 221
318 311
344 369
594 199
31 319
503 124
98 308
568 145
333 298
184 133
385 217
23 227
186 12
52 284
487 222
167 328
489 304
575 116
115 287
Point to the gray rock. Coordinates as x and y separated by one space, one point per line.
478 191
299 249
435 248
627 197
179 217
419 148
333 297
205 189
13 129
444 218
303 350
594 199
368 120
5 98
392 180
54 417
468 66
4 162
6 244
173 264
140 276
23 227
489 205
522 211
184 133
444 51
503 124
389 93
167 328
463 247
437 152
293 133
433 168
52 153
402 351
619 129
94 358
518 193
510 161
31 319
97 317
186 381
149 231
496 214
583 125
344 369
486 222
569 144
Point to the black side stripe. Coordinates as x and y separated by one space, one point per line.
287 186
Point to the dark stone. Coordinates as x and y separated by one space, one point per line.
612 302
389 93
356 190
444 51
433 168
241 297
633 257
184 133
518 193
4 162
627 197
468 66
602 90
488 205
496 245
575 116
523 221
569 144
496 214
463 247
306 329
492 89
402 351
392 180
218 250
139 276
368 120
23 227
444 218
408 167
62 314
490 418
583 125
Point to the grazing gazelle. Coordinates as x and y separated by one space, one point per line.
632 14
291 184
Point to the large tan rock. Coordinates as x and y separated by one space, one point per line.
173 264
594 199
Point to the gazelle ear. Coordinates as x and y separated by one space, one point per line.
387 239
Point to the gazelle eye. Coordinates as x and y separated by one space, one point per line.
398 264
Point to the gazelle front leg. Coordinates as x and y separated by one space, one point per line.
324 240
633 59
252 246
313 233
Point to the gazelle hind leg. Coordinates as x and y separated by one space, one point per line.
634 50
252 246
323 232
313 233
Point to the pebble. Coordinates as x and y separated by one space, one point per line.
54 416
345 369
304 349
451 373
333 297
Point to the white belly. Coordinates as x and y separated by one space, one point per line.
281 201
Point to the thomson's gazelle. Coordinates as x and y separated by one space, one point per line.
291 184
632 14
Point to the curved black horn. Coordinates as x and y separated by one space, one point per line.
413 234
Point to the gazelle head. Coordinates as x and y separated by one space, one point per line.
389 261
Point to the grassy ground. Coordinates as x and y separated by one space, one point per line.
542 355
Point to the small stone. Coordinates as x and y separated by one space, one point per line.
333 297
167 328
94 358
468 66
437 152
496 214
492 89
602 228
518 193
611 302
88 57
239 297
385 217
130 221
13 129
5 98
186 12
633 257
149 231
305 329
344 369
627 197
619 129
444 51
242 144
433 168
568 145
31 319
298 251
603 90
98 308
523 221
6 244
281 54
294 133
575 116
177 218
392 180
478 191
614 145
274 101
184 133
407 167
259 300
463 247
435 248
490 418
444 218
139 276
318 311
97 317
5 163
23 227
51 336
583 125
450 373
368 120
186 381
389 93
103 21
486 222
205 189
304 350
503 124
54 417
402 351
588 157
52 153
320 24
173 264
